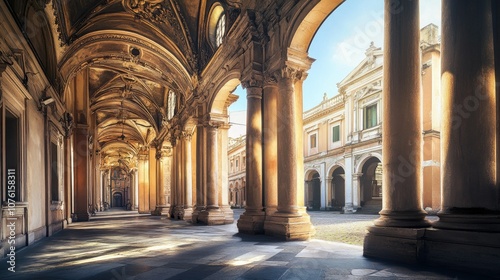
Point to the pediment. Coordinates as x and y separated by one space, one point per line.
372 61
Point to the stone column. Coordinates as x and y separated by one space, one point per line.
470 192
163 185
223 175
348 186
179 187
68 179
136 190
396 234
212 214
143 174
153 170
188 177
81 162
173 177
270 144
252 220
323 186
356 191
200 171
291 222
402 129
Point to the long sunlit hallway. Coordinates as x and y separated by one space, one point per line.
127 245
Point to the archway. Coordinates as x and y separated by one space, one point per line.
117 200
313 191
338 189
371 186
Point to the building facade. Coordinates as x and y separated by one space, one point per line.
343 137
237 176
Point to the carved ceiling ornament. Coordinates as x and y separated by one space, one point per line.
151 10
162 12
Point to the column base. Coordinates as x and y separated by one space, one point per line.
289 226
81 217
196 212
271 210
251 222
188 214
161 210
228 214
482 223
349 209
178 212
402 219
211 217
396 244
476 252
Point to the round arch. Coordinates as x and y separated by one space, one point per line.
312 189
364 158
334 167
307 21
370 182
336 194
220 97
308 175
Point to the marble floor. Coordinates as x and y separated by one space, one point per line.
126 245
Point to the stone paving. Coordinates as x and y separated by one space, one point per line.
133 246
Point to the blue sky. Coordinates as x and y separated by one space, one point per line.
339 46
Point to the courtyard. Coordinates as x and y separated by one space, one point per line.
126 245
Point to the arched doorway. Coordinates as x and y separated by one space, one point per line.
371 186
338 189
313 192
117 200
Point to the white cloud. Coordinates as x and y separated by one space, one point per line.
430 12
237 120
350 51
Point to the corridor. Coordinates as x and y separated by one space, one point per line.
127 245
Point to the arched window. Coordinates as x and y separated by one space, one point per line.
220 29
171 104
216 25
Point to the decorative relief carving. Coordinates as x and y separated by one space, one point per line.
251 82
162 12
271 78
292 73
187 135
147 9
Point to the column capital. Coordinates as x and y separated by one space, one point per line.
356 175
214 124
187 135
164 152
142 156
252 81
271 78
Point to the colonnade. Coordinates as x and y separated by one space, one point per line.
274 159
469 219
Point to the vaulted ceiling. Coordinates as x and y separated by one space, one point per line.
134 53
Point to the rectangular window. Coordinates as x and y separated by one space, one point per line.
54 173
336 133
370 116
312 141
237 161
12 156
